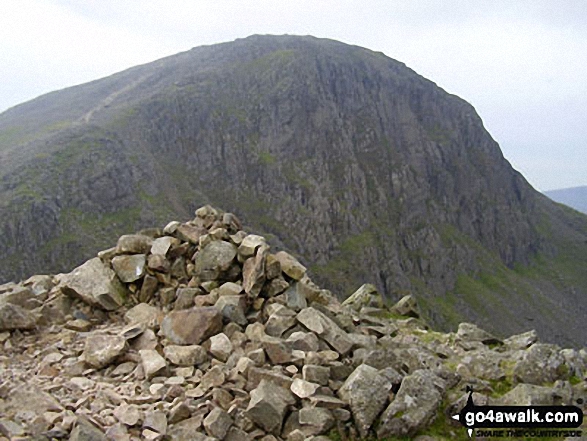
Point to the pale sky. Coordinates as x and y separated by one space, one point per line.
521 63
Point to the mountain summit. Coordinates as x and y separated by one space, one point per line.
341 154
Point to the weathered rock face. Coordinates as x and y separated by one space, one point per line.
187 366
354 161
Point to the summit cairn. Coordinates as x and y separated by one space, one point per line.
199 331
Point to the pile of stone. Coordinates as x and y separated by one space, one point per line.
199 332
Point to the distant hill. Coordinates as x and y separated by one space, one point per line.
575 197
340 154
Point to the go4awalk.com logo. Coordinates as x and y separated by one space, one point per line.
520 421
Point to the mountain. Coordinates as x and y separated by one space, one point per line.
339 154
575 197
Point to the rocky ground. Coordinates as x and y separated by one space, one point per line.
199 332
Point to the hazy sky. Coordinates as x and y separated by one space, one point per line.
521 63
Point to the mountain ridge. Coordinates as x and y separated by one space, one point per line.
346 156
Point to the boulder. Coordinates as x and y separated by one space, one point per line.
191 355
102 349
472 333
192 326
268 406
290 265
366 295
541 363
366 391
14 317
129 268
323 326
414 406
406 306
214 259
96 284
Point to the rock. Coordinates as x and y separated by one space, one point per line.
280 321
366 295
192 326
295 296
101 349
14 317
366 391
185 355
414 405
158 262
316 374
302 341
290 265
151 361
268 406
214 259
541 363
232 308
156 421
95 284
521 341
134 244
129 268
406 306
229 289
148 288
128 414
217 423
145 314
318 323
532 395
85 431
250 244
188 430
161 245
303 388
272 267
471 332
190 233
220 346
254 273
319 419
20 296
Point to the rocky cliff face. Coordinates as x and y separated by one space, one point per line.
349 158
200 331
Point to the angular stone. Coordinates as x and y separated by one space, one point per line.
277 351
148 288
318 323
290 265
217 423
15 317
220 346
268 406
316 374
128 414
254 273
532 395
101 349
366 296
192 326
522 341
158 262
250 244
232 308
272 267
303 388
185 355
95 284
214 259
319 418
414 405
19 296
144 314
229 289
295 297
471 332
280 321
190 233
151 361
541 363
275 287
133 244
406 306
156 421
85 431
161 245
366 391
129 268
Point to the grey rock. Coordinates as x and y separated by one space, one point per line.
144 314
250 244
14 317
161 245
129 268
367 392
268 406
95 284
406 306
521 341
101 349
152 362
185 355
323 326
366 295
214 259
472 333
254 273
220 346
290 265
85 431
541 363
217 423
280 321
232 308
133 244
414 405
192 326
295 296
